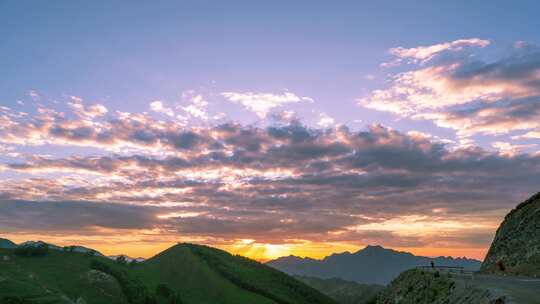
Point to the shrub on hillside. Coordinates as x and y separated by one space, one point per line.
14 300
133 289
269 282
165 295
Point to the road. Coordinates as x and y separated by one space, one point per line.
519 290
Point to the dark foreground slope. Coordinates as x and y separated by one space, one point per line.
344 292
371 265
429 287
184 273
516 247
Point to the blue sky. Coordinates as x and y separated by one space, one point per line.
127 55
429 86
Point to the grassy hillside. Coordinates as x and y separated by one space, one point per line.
344 292
57 277
428 287
183 274
192 279
226 278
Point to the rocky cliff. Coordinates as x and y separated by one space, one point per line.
516 247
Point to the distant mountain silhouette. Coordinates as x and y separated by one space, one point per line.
371 265
5 243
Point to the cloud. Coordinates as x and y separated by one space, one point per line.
509 148
463 92
499 117
34 95
158 107
423 54
197 109
262 103
267 184
20 215
91 111
528 135
325 120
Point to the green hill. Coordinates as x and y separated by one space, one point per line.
344 292
203 274
184 273
56 277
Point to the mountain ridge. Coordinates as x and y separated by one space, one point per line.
348 253
373 264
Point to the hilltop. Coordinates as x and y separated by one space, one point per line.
516 247
371 265
184 273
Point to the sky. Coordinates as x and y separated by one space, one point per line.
267 128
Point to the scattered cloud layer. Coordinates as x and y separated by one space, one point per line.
450 85
285 183
89 170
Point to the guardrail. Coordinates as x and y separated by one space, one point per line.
447 269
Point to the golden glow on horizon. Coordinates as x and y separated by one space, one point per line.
438 233
249 248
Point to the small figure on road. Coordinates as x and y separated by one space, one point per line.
432 265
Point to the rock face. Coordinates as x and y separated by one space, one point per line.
516 247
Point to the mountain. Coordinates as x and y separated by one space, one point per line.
516 247
5 243
344 292
371 265
184 273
